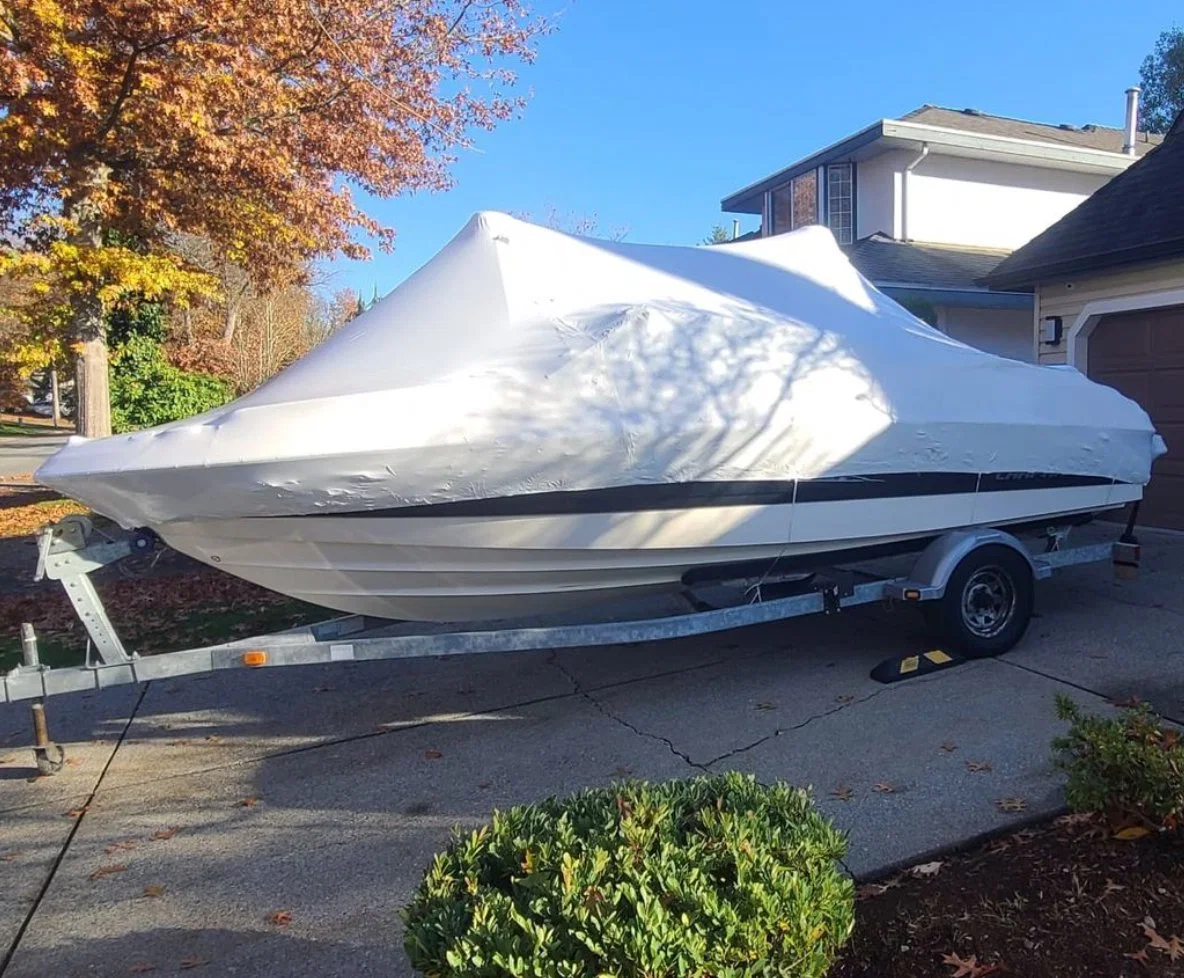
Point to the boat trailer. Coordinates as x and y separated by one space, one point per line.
991 570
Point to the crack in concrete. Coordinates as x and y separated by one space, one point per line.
56 864
578 689
1060 680
819 716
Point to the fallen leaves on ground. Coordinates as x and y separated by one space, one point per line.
766 706
884 787
140 967
618 772
1111 887
1139 955
1132 832
250 802
279 918
187 963
845 699
1128 702
102 871
122 845
927 869
949 746
484 785
160 835
433 755
22 521
76 812
8 857
1073 820
968 967
869 890
842 792
153 890
1011 804
975 766
1173 947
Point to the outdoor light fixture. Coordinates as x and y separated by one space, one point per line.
1050 330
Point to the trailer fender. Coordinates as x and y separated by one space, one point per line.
931 573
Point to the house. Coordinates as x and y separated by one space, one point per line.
930 203
1108 279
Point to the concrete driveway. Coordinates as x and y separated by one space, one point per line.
23 453
194 809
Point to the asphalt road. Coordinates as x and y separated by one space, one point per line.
23 453
212 802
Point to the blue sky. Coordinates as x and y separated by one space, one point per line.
645 113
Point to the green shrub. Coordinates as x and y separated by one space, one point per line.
147 390
1129 768
715 876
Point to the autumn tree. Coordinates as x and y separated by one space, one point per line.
243 122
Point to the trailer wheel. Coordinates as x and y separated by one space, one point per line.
987 603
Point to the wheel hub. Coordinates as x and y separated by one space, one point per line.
988 601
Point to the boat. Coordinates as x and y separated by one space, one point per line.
536 422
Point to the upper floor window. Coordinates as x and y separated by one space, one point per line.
795 204
840 202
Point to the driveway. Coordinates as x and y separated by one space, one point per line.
23 453
193 809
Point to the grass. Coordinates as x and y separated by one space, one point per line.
192 630
30 428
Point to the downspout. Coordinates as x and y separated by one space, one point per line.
904 191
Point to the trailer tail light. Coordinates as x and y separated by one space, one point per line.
255 658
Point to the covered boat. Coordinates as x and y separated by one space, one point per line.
535 421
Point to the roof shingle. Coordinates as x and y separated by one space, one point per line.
1137 216
886 260
1084 137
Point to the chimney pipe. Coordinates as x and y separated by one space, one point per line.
1132 120
735 228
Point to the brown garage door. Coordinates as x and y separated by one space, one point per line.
1142 354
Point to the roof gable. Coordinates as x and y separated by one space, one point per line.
1138 216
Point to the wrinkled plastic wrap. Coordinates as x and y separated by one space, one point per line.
523 360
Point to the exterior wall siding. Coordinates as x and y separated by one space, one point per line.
988 204
877 193
1068 298
1006 332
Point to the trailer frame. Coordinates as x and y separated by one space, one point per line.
70 550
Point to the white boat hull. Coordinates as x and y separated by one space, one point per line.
458 568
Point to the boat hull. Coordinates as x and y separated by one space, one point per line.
474 567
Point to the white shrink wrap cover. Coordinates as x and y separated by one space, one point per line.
523 360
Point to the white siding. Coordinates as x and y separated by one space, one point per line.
877 195
982 203
1007 332
1067 298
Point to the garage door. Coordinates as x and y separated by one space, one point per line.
1142 355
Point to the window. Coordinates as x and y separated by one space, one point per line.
795 204
840 202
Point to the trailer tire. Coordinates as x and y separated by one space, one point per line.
987 603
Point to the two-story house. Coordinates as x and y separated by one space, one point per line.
928 204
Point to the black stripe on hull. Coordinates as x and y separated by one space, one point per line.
695 495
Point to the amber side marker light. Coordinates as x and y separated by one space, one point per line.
256 657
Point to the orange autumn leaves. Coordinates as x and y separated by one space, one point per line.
243 120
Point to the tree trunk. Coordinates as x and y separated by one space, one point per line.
91 383
55 398
230 323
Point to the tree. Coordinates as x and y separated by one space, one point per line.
719 235
1162 77
244 122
